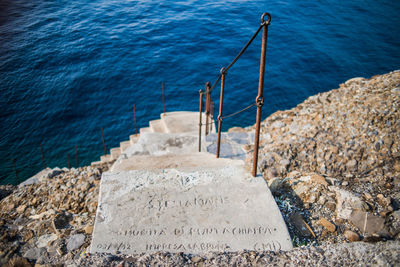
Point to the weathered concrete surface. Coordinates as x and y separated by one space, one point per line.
175 161
157 126
197 211
163 143
183 122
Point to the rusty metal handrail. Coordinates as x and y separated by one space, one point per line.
260 96
238 112
259 99
201 92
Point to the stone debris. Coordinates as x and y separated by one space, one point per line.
49 220
335 159
332 163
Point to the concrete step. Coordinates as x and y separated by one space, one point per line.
105 158
169 161
183 122
176 113
124 145
145 130
96 163
133 138
164 143
115 152
157 126
232 144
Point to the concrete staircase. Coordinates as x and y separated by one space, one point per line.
160 183
169 122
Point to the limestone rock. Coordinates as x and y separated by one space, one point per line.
367 223
75 241
327 224
346 202
35 253
351 236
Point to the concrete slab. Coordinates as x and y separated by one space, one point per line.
175 113
105 158
96 163
145 130
163 143
133 138
115 152
215 209
157 126
124 145
183 122
169 161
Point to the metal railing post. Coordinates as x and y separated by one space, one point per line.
104 143
260 97
200 111
208 99
221 102
15 169
212 115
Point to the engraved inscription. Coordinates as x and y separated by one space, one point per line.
273 245
159 203
219 214
190 246
198 231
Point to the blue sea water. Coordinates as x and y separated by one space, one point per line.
68 68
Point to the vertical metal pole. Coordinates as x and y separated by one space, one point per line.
43 160
221 102
134 117
76 156
208 98
69 163
104 144
200 111
15 169
260 97
163 96
212 115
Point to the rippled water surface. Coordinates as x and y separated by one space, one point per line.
68 68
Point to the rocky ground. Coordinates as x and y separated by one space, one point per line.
332 163
50 217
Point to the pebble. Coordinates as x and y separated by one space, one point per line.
351 236
327 224
88 229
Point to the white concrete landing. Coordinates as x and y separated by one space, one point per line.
219 208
